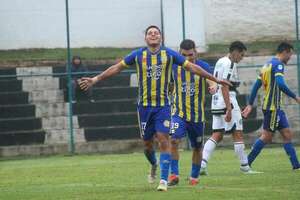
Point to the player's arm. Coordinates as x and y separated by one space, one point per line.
254 90
196 69
87 82
283 87
225 93
212 86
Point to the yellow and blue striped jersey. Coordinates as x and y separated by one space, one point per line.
154 73
189 93
272 93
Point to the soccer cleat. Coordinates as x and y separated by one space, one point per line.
193 181
152 175
203 171
297 168
247 170
173 180
163 186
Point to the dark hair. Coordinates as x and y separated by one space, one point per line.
187 44
151 26
237 45
284 46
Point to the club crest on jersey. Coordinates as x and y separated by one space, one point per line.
166 123
188 88
280 67
154 71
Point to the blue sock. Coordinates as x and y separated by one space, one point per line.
150 155
164 165
174 167
256 148
290 151
195 170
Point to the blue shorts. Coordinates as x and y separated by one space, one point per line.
274 120
195 131
153 120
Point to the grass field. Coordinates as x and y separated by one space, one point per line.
59 54
124 177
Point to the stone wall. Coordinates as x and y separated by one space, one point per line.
249 20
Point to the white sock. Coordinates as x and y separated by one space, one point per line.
208 149
239 148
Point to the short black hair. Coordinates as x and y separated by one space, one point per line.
284 46
152 26
237 45
187 44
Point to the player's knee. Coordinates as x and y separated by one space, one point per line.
217 137
266 137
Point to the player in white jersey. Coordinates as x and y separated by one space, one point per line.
225 109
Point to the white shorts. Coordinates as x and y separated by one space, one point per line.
220 124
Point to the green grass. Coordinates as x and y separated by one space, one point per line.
60 54
124 177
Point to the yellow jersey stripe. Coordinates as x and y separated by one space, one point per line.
203 99
153 80
179 91
196 99
124 64
144 71
187 95
163 58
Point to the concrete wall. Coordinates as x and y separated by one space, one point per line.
249 20
118 23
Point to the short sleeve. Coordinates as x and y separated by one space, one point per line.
130 59
278 69
178 58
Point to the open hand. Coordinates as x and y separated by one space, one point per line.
247 111
86 82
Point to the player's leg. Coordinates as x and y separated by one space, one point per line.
147 133
162 121
269 127
195 132
211 143
235 127
239 149
177 132
287 136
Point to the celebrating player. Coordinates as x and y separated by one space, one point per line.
188 112
153 65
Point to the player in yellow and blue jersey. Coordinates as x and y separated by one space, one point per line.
188 112
153 64
272 80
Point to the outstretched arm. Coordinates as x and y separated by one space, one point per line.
252 97
87 82
201 72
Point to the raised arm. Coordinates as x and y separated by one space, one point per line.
87 82
201 72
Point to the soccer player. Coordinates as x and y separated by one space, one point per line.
226 112
188 112
153 64
272 79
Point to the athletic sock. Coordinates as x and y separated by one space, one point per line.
174 167
164 165
208 149
256 149
195 170
150 155
239 148
290 151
